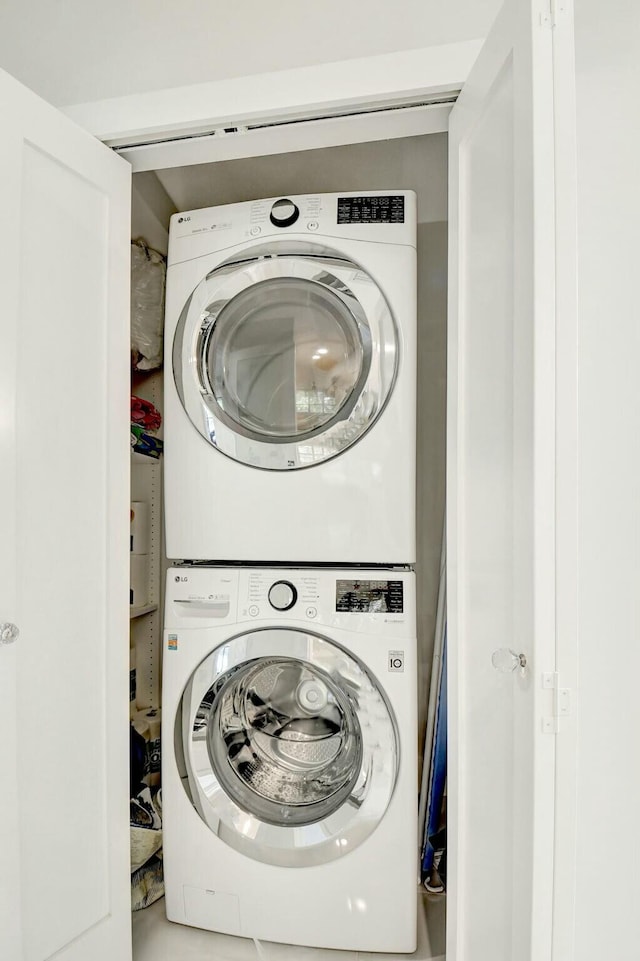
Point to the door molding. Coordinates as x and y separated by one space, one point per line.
366 84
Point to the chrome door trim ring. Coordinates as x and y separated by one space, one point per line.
357 414
345 828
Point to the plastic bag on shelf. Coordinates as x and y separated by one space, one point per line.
147 306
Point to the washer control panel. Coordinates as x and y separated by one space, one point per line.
371 602
264 591
365 601
282 595
372 596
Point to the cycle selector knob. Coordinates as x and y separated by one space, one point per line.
282 595
284 213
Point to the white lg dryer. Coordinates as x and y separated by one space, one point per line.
289 755
290 380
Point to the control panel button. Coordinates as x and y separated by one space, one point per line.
312 612
255 231
254 610
284 213
282 595
312 225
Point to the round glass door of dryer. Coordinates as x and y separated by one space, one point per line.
285 359
291 755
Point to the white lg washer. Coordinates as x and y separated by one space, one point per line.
290 756
290 390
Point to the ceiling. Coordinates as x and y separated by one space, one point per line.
74 51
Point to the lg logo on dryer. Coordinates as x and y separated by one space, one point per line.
181 580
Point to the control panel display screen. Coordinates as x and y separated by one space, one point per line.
369 597
371 210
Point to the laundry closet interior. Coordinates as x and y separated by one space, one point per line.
417 163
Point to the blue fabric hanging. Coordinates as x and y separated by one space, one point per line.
438 775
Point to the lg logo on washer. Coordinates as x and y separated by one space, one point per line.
396 661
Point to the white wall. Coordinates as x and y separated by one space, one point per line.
608 703
72 51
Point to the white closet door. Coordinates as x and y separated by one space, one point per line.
501 464
64 468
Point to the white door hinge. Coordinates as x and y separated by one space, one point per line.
552 9
560 703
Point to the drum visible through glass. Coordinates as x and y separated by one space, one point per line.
284 740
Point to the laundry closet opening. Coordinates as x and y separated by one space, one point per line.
415 163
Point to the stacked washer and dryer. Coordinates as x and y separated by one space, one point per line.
290 665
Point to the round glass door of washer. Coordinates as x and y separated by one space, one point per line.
291 755
283 360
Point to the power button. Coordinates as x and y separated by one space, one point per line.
312 225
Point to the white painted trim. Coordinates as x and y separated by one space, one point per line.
304 135
405 76
567 476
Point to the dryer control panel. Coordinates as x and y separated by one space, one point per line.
379 216
367 209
